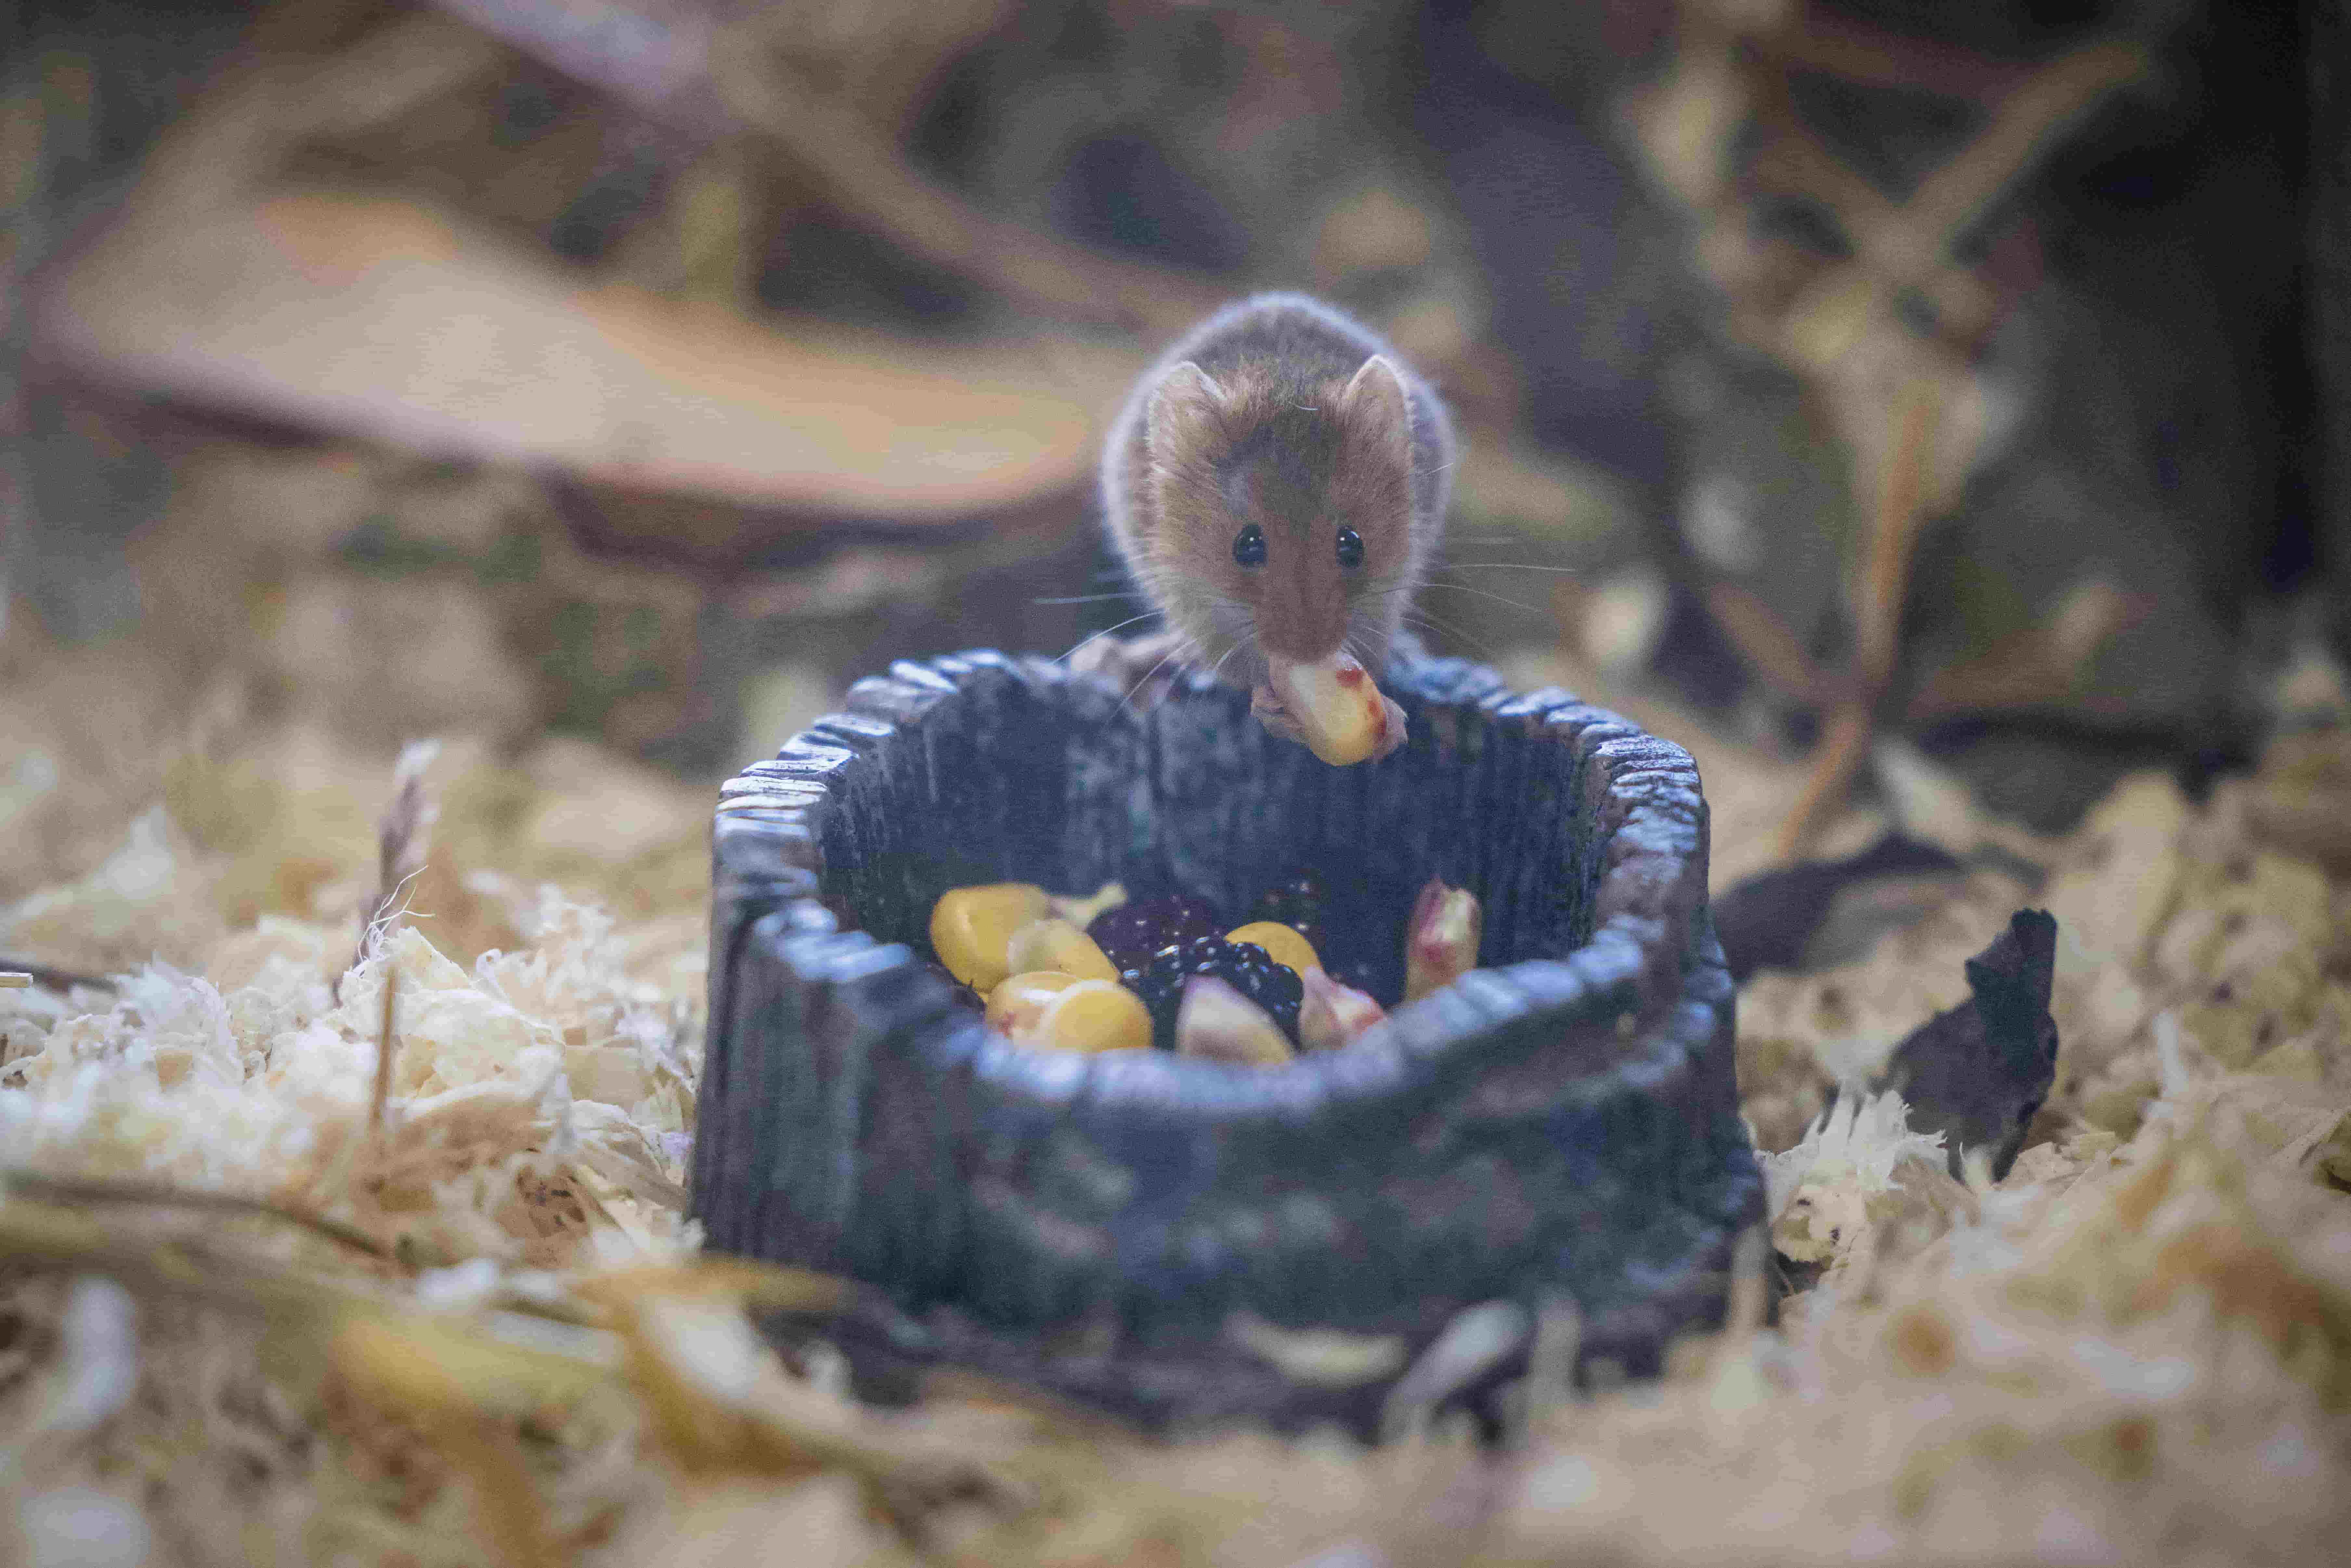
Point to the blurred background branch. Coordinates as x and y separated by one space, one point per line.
649 370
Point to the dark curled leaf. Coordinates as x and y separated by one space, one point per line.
1978 1072
1767 921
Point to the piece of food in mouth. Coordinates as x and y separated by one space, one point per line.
1335 708
972 927
1285 945
1216 1023
1332 1014
1441 943
1055 944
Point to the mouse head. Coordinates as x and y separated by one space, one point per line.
1287 511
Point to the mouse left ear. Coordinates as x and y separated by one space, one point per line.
1186 399
1376 405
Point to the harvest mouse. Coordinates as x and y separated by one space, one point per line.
1277 485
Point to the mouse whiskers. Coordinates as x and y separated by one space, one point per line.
1128 594
1488 594
1183 649
1426 621
1513 565
1218 668
1084 642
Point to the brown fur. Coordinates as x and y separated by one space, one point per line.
1280 412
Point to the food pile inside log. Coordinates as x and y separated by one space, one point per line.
1106 972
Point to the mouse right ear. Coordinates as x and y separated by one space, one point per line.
1182 405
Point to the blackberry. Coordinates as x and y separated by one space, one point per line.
1132 933
1244 965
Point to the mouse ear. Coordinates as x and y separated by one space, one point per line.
1185 401
1377 408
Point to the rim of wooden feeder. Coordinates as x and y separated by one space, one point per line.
1563 1123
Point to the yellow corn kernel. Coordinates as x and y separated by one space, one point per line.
1081 912
1058 945
1284 945
1019 1001
1093 1016
971 928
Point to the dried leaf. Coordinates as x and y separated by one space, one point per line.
1771 650
376 315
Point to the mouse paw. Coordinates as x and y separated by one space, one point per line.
1392 733
1267 709
1143 667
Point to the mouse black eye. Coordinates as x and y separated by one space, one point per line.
1351 548
1248 546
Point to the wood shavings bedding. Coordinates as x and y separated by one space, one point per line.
480 1334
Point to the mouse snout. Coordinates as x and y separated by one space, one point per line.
1301 617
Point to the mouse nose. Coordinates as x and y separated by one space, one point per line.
1299 616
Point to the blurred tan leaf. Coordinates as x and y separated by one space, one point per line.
2035 666
1769 648
446 1379
382 317
735 1280
722 1401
